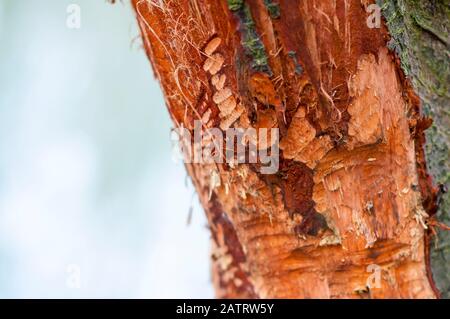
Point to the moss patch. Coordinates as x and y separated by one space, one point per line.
298 67
273 8
250 39
421 39
235 5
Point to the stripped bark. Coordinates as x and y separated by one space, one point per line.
351 195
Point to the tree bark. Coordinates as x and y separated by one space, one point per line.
345 215
420 36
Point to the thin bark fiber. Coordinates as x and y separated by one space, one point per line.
352 195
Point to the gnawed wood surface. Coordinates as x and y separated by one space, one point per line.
348 196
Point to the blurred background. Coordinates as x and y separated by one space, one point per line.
91 203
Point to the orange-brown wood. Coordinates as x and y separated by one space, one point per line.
343 216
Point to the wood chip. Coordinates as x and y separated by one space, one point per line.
227 106
206 116
212 46
300 133
218 81
222 95
217 63
233 117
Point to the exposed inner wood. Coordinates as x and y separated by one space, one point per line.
346 200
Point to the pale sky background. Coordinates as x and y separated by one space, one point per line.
87 183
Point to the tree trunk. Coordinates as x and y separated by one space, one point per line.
420 36
346 213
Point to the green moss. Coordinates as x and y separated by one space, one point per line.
273 8
298 67
251 41
235 5
420 37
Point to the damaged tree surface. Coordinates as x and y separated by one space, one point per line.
421 38
347 213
